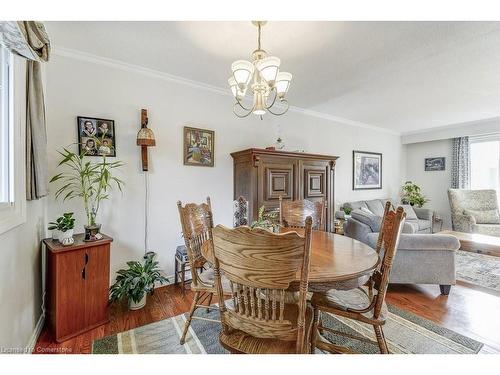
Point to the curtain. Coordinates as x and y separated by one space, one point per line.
29 39
460 164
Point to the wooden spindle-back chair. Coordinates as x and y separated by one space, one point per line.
197 223
293 213
260 267
366 304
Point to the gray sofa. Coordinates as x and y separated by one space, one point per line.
421 258
366 217
475 211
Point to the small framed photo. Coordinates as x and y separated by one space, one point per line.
96 136
366 170
199 147
435 164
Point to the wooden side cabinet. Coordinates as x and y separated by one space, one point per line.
77 286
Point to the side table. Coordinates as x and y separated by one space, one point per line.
436 219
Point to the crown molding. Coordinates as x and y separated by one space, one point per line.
117 64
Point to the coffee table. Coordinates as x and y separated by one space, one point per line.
476 243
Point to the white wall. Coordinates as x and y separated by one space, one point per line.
85 88
20 283
434 184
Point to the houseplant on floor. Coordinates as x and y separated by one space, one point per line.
412 195
136 282
90 181
64 226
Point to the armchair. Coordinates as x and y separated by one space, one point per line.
475 211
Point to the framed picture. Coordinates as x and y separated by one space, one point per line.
366 170
199 147
435 164
96 136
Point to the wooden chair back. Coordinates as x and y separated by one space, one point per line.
260 266
197 224
388 239
293 213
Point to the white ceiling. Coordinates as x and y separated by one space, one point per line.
402 76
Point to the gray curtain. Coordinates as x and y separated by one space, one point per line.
30 40
460 163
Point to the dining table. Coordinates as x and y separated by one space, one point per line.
336 262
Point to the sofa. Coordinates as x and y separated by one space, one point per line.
366 217
475 211
421 257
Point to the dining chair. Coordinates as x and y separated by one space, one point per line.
365 304
293 213
197 224
260 267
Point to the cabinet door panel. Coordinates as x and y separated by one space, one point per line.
278 180
70 298
97 284
314 177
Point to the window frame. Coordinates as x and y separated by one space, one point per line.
13 213
482 139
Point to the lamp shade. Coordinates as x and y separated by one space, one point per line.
237 92
268 68
146 137
283 80
242 72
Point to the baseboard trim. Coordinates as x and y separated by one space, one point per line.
36 333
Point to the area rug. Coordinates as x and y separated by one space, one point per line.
405 333
478 269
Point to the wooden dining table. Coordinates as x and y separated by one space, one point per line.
337 262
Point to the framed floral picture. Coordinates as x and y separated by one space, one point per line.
199 147
96 136
366 170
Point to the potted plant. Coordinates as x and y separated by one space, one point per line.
64 226
89 181
347 212
266 220
412 195
136 282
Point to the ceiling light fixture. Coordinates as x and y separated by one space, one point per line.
264 79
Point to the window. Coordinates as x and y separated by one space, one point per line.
12 135
485 162
5 132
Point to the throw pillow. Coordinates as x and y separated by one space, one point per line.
410 212
484 216
366 217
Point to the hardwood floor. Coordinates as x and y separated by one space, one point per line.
467 310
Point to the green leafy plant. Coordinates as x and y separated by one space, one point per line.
412 195
137 280
90 181
346 210
63 223
266 220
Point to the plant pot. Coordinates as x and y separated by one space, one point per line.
66 238
92 232
137 305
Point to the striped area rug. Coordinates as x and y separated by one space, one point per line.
405 333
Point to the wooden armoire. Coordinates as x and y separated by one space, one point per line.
261 176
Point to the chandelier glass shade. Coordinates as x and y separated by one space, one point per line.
266 82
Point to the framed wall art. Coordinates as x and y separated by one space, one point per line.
366 170
199 147
96 136
435 164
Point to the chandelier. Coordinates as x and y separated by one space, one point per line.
267 84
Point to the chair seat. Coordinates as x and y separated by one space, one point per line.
342 300
237 341
208 278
